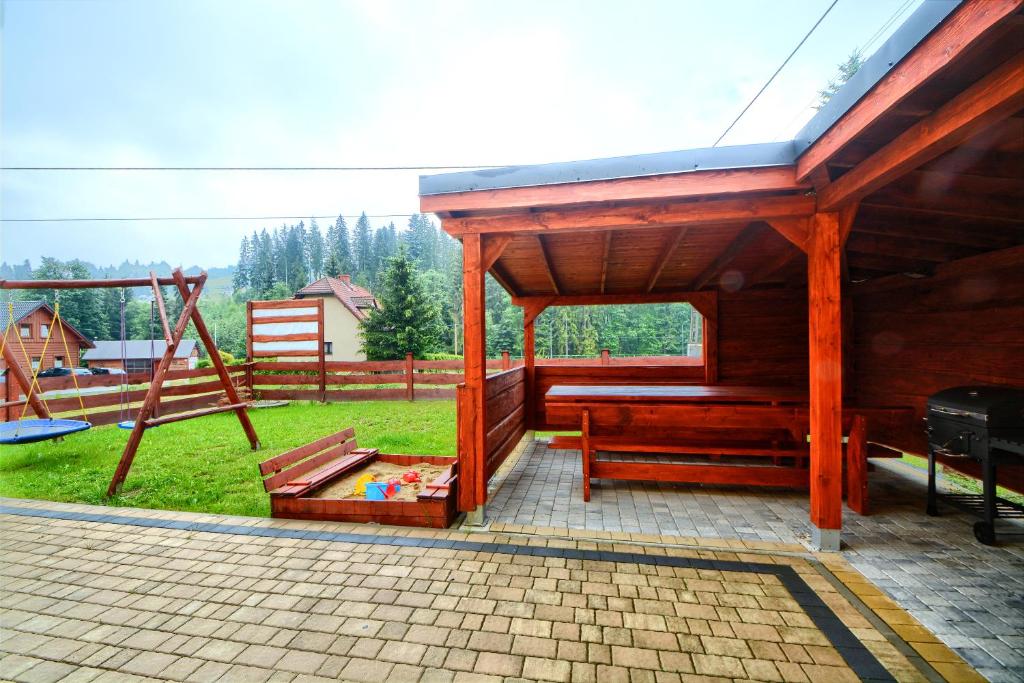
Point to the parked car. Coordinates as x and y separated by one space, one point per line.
83 371
55 372
108 371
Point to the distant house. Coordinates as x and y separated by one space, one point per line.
32 323
141 355
345 305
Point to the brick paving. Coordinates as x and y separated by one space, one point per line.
970 595
101 594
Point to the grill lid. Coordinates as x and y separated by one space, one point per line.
999 407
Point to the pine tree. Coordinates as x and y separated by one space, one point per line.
314 251
847 70
332 268
408 320
362 241
340 244
240 280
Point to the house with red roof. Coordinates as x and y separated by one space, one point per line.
346 304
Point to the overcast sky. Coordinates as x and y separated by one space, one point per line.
347 82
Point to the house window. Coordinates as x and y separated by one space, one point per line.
44 330
328 348
58 361
133 365
35 362
26 331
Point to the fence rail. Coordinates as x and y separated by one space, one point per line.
312 380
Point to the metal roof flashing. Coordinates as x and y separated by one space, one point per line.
921 23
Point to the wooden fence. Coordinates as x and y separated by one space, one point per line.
312 380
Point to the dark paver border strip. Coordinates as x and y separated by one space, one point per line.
850 648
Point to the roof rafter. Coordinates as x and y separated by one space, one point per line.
949 41
988 101
548 264
669 247
733 250
604 258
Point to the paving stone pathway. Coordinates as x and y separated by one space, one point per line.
970 595
104 594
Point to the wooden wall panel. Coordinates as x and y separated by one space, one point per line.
913 337
762 337
505 416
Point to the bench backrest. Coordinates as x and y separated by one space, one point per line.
288 466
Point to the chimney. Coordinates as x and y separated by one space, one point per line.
345 278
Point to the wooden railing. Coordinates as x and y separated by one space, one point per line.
395 380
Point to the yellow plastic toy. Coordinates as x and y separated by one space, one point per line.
361 483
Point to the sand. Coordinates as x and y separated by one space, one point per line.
382 471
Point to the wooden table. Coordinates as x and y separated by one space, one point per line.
713 421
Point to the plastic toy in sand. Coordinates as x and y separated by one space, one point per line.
380 490
361 484
410 477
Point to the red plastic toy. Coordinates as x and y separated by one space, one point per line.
411 476
393 486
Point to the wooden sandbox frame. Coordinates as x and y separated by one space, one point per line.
293 478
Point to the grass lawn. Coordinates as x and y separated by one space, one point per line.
205 465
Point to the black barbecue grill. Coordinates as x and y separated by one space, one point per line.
985 424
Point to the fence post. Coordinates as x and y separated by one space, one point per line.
505 361
605 357
408 377
7 396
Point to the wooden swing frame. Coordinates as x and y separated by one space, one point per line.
189 287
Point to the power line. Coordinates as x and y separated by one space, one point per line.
781 67
864 49
247 168
198 218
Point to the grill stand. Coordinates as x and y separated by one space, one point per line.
988 505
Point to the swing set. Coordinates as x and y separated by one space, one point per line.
46 427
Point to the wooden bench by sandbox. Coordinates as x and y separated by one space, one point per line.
293 479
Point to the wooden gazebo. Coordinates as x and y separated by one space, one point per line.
873 260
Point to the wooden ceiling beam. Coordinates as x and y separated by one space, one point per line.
772 266
548 264
981 236
700 300
604 258
655 188
923 250
887 263
724 211
986 102
669 247
796 230
734 249
494 245
954 38
503 278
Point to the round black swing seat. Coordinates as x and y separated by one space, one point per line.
30 431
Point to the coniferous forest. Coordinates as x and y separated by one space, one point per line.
273 263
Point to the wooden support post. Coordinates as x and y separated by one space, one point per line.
471 463
857 466
409 377
825 352
506 361
322 352
152 397
8 395
585 448
248 331
606 357
14 371
218 363
158 297
530 313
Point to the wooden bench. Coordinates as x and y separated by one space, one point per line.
293 479
722 425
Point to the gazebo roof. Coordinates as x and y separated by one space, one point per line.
922 149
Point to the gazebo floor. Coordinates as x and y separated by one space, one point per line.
96 594
971 596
